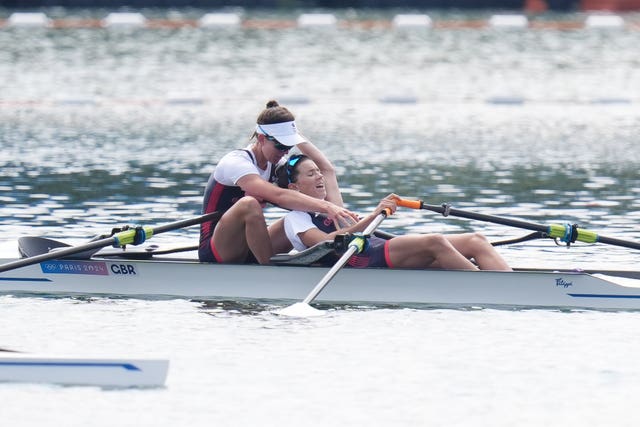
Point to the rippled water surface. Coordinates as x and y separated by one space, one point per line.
100 128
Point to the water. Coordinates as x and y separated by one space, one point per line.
100 128
353 367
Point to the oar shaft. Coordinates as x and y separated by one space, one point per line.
486 218
618 242
121 238
57 254
330 274
351 250
186 222
560 231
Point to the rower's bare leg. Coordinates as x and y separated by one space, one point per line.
243 228
426 251
279 240
476 246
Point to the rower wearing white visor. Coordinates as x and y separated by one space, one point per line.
242 184
284 135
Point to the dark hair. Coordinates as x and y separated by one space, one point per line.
274 113
286 173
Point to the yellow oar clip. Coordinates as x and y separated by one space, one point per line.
133 236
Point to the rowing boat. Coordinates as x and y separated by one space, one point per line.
53 268
165 276
82 371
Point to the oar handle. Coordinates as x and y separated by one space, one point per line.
412 204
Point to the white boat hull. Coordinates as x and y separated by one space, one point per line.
190 279
76 371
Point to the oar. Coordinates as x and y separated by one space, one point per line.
567 233
126 237
303 309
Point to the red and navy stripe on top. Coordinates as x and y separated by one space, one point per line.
218 197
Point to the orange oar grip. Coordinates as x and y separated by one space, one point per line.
413 204
388 212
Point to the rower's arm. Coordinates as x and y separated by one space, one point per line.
315 235
327 170
262 190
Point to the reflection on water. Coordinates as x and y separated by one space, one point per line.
69 168
100 159
436 65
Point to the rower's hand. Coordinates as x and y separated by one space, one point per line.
390 202
341 217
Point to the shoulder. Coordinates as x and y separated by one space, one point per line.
296 222
233 166
236 156
298 215
298 219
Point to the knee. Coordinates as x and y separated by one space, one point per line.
478 240
474 244
248 207
247 203
435 243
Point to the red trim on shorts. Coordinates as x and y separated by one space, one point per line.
387 258
216 255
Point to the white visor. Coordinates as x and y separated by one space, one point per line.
285 133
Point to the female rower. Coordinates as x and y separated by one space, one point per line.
306 228
241 185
